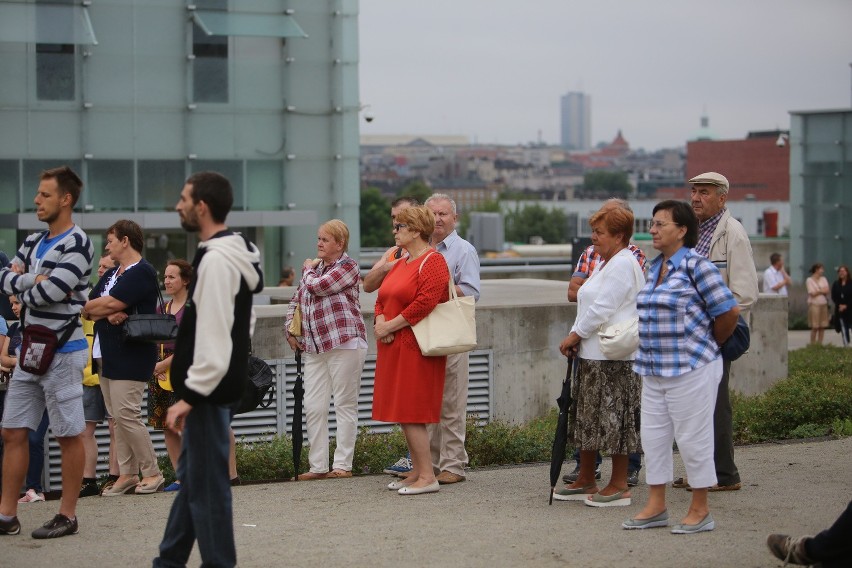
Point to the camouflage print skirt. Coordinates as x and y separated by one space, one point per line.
605 411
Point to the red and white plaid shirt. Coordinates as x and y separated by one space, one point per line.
331 309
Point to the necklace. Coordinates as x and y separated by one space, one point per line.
413 256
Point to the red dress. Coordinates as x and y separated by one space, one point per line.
408 386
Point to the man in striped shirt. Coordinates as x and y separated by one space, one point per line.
50 276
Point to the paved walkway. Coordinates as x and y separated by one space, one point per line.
499 517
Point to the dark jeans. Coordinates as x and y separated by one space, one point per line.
634 461
202 508
36 465
723 432
833 546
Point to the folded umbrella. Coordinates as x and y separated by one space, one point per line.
296 425
560 439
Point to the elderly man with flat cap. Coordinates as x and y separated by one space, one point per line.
724 241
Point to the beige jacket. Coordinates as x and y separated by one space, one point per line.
730 251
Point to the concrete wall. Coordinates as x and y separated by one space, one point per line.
523 321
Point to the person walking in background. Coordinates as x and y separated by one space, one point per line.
775 278
334 341
50 277
126 367
685 313
818 292
724 241
604 414
841 295
209 373
586 264
176 279
408 386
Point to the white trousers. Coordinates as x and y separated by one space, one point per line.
335 372
681 409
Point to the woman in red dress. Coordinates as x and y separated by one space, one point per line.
408 386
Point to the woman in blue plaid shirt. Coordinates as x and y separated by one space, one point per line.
685 313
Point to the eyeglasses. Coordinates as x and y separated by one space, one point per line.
398 226
660 224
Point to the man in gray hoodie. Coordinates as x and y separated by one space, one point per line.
209 373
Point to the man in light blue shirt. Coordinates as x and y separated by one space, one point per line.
447 437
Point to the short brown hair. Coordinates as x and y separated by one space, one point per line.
338 231
419 219
127 228
615 219
184 268
66 180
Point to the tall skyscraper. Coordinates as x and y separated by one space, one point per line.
576 114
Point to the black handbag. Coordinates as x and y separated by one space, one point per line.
261 381
151 328
738 343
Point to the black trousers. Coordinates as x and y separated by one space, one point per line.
833 546
723 431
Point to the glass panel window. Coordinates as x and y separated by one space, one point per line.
32 176
265 186
109 186
9 184
55 73
231 169
210 67
160 183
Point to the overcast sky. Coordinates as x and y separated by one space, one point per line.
493 70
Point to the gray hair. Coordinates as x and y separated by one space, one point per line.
442 197
616 201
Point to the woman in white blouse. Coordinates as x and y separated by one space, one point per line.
818 291
605 412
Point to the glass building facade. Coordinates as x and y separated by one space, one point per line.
820 191
136 95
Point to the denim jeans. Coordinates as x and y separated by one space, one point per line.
36 465
634 461
202 508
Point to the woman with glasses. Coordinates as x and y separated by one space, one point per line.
409 387
685 313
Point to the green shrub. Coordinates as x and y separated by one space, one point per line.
816 394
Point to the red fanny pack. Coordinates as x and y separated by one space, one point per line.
38 347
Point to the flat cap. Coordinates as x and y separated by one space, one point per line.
711 178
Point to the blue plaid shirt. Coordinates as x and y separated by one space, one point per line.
675 323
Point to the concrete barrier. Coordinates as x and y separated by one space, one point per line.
522 322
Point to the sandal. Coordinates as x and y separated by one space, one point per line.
339 474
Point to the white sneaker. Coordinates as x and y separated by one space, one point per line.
31 497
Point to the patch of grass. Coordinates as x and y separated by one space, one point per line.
816 395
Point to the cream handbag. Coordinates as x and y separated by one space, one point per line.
449 328
619 341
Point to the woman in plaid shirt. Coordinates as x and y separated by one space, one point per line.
335 345
685 313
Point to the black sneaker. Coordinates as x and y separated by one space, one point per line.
10 527
59 526
89 490
572 477
632 478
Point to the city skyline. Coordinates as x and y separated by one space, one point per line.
494 71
